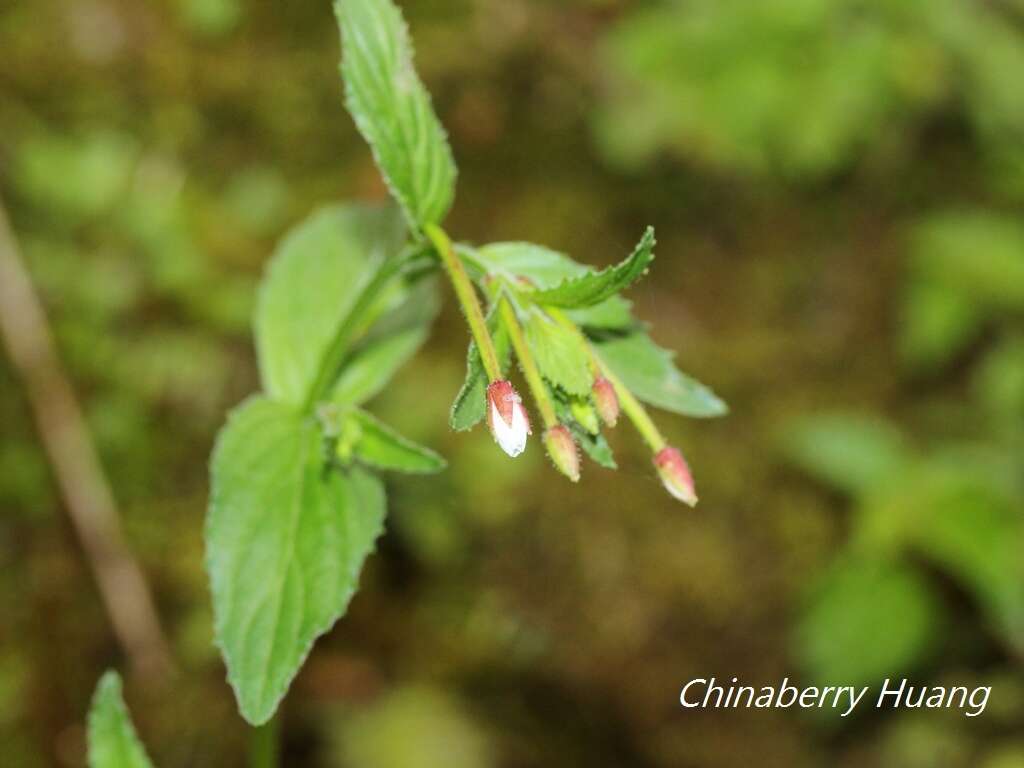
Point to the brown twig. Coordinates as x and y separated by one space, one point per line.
86 492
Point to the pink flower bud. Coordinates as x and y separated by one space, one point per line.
606 401
562 450
507 418
675 474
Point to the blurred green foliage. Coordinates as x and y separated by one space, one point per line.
837 191
806 87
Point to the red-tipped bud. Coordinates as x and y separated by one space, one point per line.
675 474
507 417
605 400
562 450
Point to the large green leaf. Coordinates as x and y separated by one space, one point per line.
392 109
315 278
648 371
592 288
377 444
561 354
286 537
368 371
470 403
112 739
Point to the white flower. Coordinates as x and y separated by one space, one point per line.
507 418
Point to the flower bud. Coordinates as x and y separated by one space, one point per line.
562 450
507 418
606 401
585 414
675 474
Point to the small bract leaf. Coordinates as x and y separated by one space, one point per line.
613 313
560 354
314 279
593 288
382 447
648 371
113 742
286 537
392 109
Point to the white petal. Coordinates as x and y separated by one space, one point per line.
511 438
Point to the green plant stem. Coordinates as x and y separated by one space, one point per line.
466 294
536 384
264 744
632 407
634 411
335 354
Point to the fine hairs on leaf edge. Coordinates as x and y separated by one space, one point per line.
361 120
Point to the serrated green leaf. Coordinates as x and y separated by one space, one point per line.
546 269
592 287
543 267
388 346
470 403
614 313
286 537
113 742
647 370
392 109
382 447
560 354
313 281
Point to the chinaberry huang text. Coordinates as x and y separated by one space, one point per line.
709 693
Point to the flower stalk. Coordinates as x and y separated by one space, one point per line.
468 299
534 381
634 411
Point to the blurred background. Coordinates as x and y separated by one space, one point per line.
837 187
